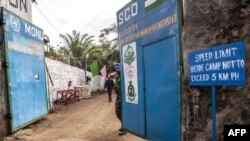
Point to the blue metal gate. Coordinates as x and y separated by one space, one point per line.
150 47
25 70
162 86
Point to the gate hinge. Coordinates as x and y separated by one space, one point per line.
182 69
5 64
8 116
2 22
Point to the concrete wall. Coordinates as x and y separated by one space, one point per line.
97 83
61 74
207 24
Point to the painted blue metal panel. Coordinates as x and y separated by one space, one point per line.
26 71
162 88
28 94
133 115
222 65
159 23
152 24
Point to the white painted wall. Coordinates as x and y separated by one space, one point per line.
97 83
62 73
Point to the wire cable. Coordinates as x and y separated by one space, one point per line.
44 16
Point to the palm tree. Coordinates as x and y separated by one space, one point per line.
78 44
64 51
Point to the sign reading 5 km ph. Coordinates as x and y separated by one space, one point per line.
222 65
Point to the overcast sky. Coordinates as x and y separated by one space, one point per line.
87 16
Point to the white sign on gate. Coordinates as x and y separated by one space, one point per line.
130 72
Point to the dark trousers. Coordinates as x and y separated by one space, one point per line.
110 94
118 109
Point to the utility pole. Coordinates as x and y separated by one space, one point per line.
86 66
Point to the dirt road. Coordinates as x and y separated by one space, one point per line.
90 119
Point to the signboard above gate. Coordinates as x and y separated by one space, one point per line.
222 65
137 20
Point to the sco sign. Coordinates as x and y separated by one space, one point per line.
127 13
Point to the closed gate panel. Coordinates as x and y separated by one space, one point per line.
162 90
27 94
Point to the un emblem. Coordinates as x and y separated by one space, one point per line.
15 23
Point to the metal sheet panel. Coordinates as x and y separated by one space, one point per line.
162 88
26 71
133 117
22 8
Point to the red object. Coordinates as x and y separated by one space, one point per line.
66 96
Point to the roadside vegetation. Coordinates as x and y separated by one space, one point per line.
79 48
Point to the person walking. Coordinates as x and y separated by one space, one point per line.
118 103
109 84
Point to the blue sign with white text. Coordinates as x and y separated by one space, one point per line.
223 65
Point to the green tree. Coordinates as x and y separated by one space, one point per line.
77 44
109 46
64 51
